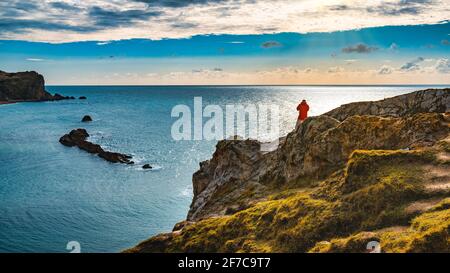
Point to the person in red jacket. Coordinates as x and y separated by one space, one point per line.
302 109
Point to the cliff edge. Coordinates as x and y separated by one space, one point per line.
24 86
362 172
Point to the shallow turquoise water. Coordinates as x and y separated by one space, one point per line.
51 194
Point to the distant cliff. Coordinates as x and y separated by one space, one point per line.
362 172
24 86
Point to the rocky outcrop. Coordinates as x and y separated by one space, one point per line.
234 169
25 86
78 138
86 118
240 173
60 97
319 147
386 196
424 101
335 175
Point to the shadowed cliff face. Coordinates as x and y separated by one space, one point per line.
22 86
331 178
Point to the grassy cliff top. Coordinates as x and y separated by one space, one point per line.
400 198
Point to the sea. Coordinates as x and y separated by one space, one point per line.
52 196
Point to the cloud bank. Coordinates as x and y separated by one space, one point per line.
359 48
270 44
103 20
412 65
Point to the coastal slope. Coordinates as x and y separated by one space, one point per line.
362 172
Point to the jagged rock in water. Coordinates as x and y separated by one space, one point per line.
57 97
82 98
74 137
147 166
86 118
115 157
78 138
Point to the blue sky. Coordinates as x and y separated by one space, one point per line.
68 53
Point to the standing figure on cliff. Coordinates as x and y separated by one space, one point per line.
302 109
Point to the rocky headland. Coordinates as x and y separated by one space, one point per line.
30 87
78 138
25 87
364 171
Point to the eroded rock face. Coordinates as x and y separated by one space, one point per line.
424 101
319 155
78 138
239 174
234 161
25 86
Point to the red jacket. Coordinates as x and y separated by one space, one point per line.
303 109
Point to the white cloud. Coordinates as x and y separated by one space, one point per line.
443 65
34 60
335 69
104 20
412 65
393 47
309 70
103 43
385 70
